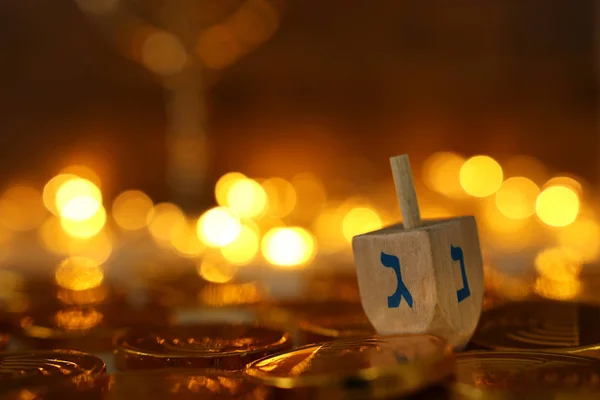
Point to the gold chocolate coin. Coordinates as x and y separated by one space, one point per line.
222 346
372 366
184 384
336 326
531 374
541 325
45 373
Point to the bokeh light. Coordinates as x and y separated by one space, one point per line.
516 197
86 228
163 53
84 172
216 270
503 233
218 47
186 242
224 184
165 221
441 173
218 227
51 188
288 246
555 290
328 229
22 208
78 199
52 237
281 196
311 197
523 165
557 206
247 198
255 22
481 176
79 273
131 208
360 220
583 236
78 319
98 247
566 181
244 248
559 264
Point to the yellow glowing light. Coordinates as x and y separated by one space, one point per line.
328 229
288 246
432 211
218 227
97 248
131 208
79 273
247 198
360 220
77 319
78 199
216 271
83 297
522 165
243 249
21 208
503 232
52 237
557 290
224 184
557 206
583 235
559 264
186 241
311 197
565 181
86 228
481 176
441 173
84 172
281 196
163 53
516 197
51 188
165 221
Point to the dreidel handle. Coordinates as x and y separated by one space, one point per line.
405 188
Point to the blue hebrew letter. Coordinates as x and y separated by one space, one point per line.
457 255
392 262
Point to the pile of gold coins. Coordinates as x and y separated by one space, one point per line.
322 346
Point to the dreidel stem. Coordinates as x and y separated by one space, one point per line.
405 189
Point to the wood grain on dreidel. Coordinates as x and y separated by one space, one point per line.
405 189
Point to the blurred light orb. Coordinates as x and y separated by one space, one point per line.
22 208
516 197
77 319
281 196
244 248
218 47
556 290
247 198
218 227
329 232
131 208
97 248
79 273
441 173
255 22
78 199
288 246
565 181
360 220
97 7
583 235
51 188
557 206
186 241
559 264
163 53
524 165
311 197
86 228
164 221
216 270
224 184
481 176
52 237
84 172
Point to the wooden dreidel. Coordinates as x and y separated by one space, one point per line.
421 276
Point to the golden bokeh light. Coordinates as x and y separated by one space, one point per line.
565 181
311 197
84 172
555 290
360 220
557 206
247 198
82 297
218 47
51 188
560 264
523 165
328 229
507 234
224 184
77 319
441 173
281 196
78 199
288 246
22 208
255 22
131 208
79 273
516 197
481 176
165 220
216 270
507 286
52 237
86 228
583 235
98 247
244 248
218 227
163 53
186 242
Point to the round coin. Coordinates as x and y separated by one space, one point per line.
223 346
514 372
541 325
328 327
39 373
371 366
